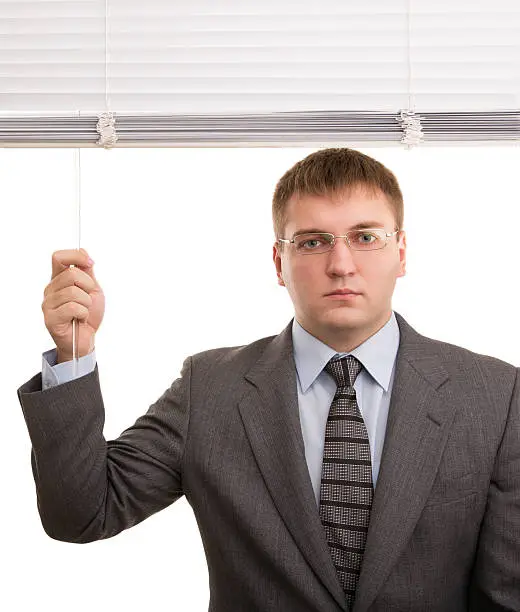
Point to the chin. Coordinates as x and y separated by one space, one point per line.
344 317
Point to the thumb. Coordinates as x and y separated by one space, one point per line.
85 253
90 269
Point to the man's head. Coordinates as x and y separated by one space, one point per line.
335 190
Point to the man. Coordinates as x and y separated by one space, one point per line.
348 463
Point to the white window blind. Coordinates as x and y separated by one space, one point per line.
243 72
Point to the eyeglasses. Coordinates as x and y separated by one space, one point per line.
359 240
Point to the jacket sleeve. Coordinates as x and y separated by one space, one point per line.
90 489
496 573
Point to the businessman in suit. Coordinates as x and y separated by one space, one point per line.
347 463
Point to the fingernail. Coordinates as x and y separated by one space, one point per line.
90 262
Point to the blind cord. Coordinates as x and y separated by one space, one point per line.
106 122
75 321
411 100
410 123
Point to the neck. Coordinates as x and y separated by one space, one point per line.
344 340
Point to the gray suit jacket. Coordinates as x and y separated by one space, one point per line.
444 532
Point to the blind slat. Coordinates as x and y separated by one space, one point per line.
244 59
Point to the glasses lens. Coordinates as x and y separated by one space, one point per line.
362 240
313 243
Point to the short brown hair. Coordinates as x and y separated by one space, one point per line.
331 172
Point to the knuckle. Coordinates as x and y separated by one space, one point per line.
70 277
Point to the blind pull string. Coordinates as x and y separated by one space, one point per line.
77 198
106 127
410 122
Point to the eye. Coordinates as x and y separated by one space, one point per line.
365 238
312 242
308 242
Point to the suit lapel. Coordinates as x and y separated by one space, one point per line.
420 414
271 419
419 419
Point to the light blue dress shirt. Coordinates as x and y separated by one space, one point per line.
316 388
58 373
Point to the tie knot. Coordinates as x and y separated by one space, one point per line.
344 370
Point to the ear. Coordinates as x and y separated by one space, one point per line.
402 253
278 264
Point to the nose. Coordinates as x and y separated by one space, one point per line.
341 259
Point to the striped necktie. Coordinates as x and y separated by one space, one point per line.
346 478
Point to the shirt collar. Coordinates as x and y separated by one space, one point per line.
377 353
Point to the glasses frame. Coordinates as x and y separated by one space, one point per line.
368 229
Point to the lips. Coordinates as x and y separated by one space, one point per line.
343 292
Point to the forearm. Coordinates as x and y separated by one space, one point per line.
89 489
69 462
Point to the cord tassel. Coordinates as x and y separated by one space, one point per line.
107 130
412 128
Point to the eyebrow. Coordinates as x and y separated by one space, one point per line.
362 225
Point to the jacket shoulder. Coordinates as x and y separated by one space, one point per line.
456 353
239 357
420 345
470 369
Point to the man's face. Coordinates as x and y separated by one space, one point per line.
341 323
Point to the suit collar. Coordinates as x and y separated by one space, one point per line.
377 353
420 413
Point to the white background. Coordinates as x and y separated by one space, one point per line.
182 240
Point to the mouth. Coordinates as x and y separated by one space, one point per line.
342 297
344 294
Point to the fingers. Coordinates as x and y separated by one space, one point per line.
71 277
66 295
64 276
61 260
